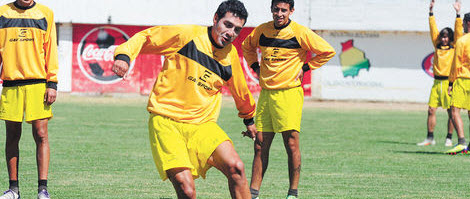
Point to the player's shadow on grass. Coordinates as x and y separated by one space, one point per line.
395 142
421 152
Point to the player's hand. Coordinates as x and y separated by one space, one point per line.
457 6
250 132
120 67
431 5
449 91
50 96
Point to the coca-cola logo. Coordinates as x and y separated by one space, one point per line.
95 53
427 64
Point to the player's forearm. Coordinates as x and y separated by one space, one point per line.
321 59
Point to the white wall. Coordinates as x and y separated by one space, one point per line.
395 72
402 26
65 57
394 15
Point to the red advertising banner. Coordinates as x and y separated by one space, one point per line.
93 50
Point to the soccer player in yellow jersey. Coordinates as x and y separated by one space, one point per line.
459 86
185 101
443 42
284 46
28 49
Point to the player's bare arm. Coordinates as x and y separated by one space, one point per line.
120 67
457 6
431 6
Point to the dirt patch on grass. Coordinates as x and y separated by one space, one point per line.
102 99
366 105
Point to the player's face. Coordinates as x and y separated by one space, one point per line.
281 13
25 2
226 29
445 40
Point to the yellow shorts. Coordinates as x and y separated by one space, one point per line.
182 145
279 110
461 93
439 96
27 100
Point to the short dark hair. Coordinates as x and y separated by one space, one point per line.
290 2
446 31
235 7
466 17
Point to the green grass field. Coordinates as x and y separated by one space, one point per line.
101 150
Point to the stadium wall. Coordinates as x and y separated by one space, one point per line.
391 35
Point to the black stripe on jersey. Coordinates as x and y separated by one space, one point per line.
190 50
23 23
280 43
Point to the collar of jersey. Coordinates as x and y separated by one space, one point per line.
282 27
22 7
209 29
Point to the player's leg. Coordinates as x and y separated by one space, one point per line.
170 154
450 129
38 114
262 146
468 113
291 143
263 141
183 182
431 123
13 135
458 125
40 135
287 116
226 159
11 110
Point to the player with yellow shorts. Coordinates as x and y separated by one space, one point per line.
185 102
439 96
443 42
459 86
284 46
280 110
15 107
461 93
183 145
30 64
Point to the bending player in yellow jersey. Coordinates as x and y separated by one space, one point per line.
459 85
186 98
28 51
284 47
444 49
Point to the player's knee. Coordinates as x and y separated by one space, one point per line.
431 111
293 145
13 137
188 192
236 169
41 136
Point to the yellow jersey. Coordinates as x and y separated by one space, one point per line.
284 51
461 63
444 55
188 89
28 45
